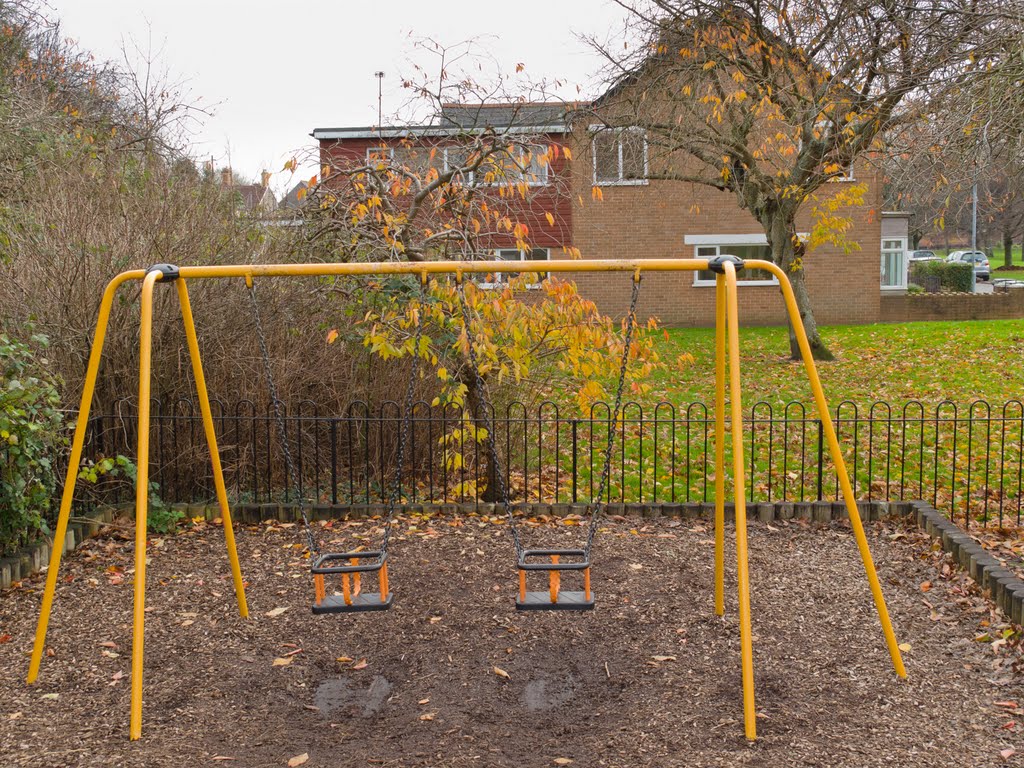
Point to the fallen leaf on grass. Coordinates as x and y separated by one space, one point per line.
1007 704
664 658
562 761
502 673
635 567
343 659
5 638
283 661
14 716
1007 753
423 701
361 664
905 647
51 696
108 644
925 586
276 612
298 760
428 715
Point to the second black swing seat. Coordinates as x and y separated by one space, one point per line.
350 567
554 598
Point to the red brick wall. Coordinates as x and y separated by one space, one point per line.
903 308
553 198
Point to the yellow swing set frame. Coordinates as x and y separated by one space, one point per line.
726 325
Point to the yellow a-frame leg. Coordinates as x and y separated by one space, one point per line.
740 491
211 443
720 445
837 458
141 501
74 461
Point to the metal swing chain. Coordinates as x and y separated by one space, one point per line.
603 484
488 417
403 434
314 546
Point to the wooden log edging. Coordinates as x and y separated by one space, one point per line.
36 556
1003 585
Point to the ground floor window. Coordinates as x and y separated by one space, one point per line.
514 254
894 263
745 251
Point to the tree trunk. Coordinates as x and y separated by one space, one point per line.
1007 248
788 253
478 409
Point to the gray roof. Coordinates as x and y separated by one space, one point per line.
468 116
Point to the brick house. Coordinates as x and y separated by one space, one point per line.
639 217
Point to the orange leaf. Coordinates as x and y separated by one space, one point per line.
332 336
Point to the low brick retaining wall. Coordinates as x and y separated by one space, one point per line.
1007 590
900 308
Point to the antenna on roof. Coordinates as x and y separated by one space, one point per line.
380 84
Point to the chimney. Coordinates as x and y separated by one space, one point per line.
265 176
225 177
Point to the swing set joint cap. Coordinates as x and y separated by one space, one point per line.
168 272
717 264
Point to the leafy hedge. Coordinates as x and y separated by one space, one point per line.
944 275
31 435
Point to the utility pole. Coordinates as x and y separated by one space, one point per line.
380 86
974 216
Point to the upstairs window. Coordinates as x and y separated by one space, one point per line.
511 165
620 156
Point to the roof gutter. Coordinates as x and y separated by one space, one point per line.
429 131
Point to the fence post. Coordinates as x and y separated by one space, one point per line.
575 423
821 454
334 461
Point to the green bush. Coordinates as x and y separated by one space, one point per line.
160 517
951 276
31 435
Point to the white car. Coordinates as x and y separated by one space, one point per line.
977 258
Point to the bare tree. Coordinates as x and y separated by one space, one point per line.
772 99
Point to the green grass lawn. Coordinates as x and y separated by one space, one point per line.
931 362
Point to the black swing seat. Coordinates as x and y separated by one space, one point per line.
555 598
352 599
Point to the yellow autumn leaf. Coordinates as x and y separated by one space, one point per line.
550 218
332 336
905 647
283 661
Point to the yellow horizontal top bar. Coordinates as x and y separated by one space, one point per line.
442 267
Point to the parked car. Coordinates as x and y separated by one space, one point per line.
924 256
977 258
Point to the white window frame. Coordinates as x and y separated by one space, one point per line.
379 150
721 245
848 176
542 178
906 263
597 130
501 278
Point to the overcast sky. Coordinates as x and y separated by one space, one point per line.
273 71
